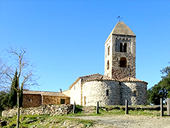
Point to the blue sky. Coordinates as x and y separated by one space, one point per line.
65 38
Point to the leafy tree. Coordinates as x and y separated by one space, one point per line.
13 94
160 90
154 94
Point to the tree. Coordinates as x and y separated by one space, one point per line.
160 90
24 76
154 94
4 96
13 94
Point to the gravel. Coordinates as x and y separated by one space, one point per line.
129 121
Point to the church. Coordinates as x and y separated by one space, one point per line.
116 85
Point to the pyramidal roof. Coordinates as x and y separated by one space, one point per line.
122 29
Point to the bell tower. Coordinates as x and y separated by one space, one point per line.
120 52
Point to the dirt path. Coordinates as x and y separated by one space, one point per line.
128 121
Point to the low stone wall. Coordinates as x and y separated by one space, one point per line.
52 110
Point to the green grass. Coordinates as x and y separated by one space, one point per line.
29 121
118 110
131 112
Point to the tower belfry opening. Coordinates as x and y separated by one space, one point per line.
123 62
123 47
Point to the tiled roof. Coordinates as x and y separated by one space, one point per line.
45 93
130 79
99 77
94 77
122 29
91 78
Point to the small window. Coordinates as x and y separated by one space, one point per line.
108 50
134 93
74 87
62 101
107 64
123 62
107 92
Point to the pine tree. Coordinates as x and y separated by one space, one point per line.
13 94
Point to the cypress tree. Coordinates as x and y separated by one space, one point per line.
13 94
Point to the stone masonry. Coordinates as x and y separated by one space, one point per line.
120 52
38 98
107 91
52 110
97 92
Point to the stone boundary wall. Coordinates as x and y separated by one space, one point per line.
52 110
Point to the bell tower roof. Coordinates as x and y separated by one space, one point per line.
122 29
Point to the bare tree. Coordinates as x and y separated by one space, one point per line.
25 73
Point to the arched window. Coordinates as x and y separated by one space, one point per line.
107 64
107 92
108 50
123 47
120 47
123 62
134 93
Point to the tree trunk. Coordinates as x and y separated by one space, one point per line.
18 111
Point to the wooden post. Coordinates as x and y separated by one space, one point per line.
168 107
161 107
74 108
97 108
126 107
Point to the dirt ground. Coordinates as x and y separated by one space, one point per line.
128 121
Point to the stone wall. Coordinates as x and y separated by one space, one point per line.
94 91
52 110
113 58
55 100
30 100
127 92
130 55
75 93
36 100
118 92
108 57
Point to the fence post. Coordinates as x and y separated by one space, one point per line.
161 107
126 107
168 107
74 108
97 108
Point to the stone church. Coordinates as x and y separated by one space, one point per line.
116 85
